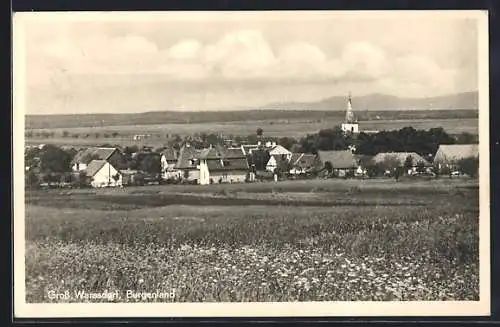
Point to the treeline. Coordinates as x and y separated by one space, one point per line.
407 139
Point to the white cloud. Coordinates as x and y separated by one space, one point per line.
242 55
185 49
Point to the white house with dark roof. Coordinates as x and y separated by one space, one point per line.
102 174
223 165
168 159
85 156
302 163
188 164
279 150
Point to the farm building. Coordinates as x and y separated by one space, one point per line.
399 159
188 163
276 161
85 156
169 158
338 163
278 150
448 155
302 163
128 176
223 165
362 161
102 174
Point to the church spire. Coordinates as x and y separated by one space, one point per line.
349 116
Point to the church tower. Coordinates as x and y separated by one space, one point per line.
350 125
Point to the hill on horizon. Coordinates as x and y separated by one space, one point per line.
465 100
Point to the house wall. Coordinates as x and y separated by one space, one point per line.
353 128
343 172
168 170
104 177
297 171
204 178
228 177
193 174
79 167
271 164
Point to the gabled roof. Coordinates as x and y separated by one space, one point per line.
339 159
227 164
185 155
400 157
234 153
303 160
363 159
279 148
86 155
455 152
94 166
170 154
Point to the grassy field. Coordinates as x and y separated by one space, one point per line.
276 128
296 240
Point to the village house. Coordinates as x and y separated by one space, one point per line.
400 160
279 150
85 156
129 176
102 174
169 158
338 163
448 155
278 161
188 164
362 161
223 165
302 163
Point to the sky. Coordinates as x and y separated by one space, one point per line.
130 62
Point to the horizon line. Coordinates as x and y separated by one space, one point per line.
262 108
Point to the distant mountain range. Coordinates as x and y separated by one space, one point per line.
466 100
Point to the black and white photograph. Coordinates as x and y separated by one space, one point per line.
264 163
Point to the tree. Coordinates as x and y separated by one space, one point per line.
116 177
259 132
389 163
469 166
55 160
260 159
397 173
65 133
31 157
408 164
31 180
329 168
115 134
150 163
466 138
420 166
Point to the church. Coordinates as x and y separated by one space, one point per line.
350 125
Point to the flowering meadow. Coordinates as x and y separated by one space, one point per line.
324 242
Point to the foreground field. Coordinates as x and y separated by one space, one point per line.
314 240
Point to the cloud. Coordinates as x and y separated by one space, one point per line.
243 56
185 50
